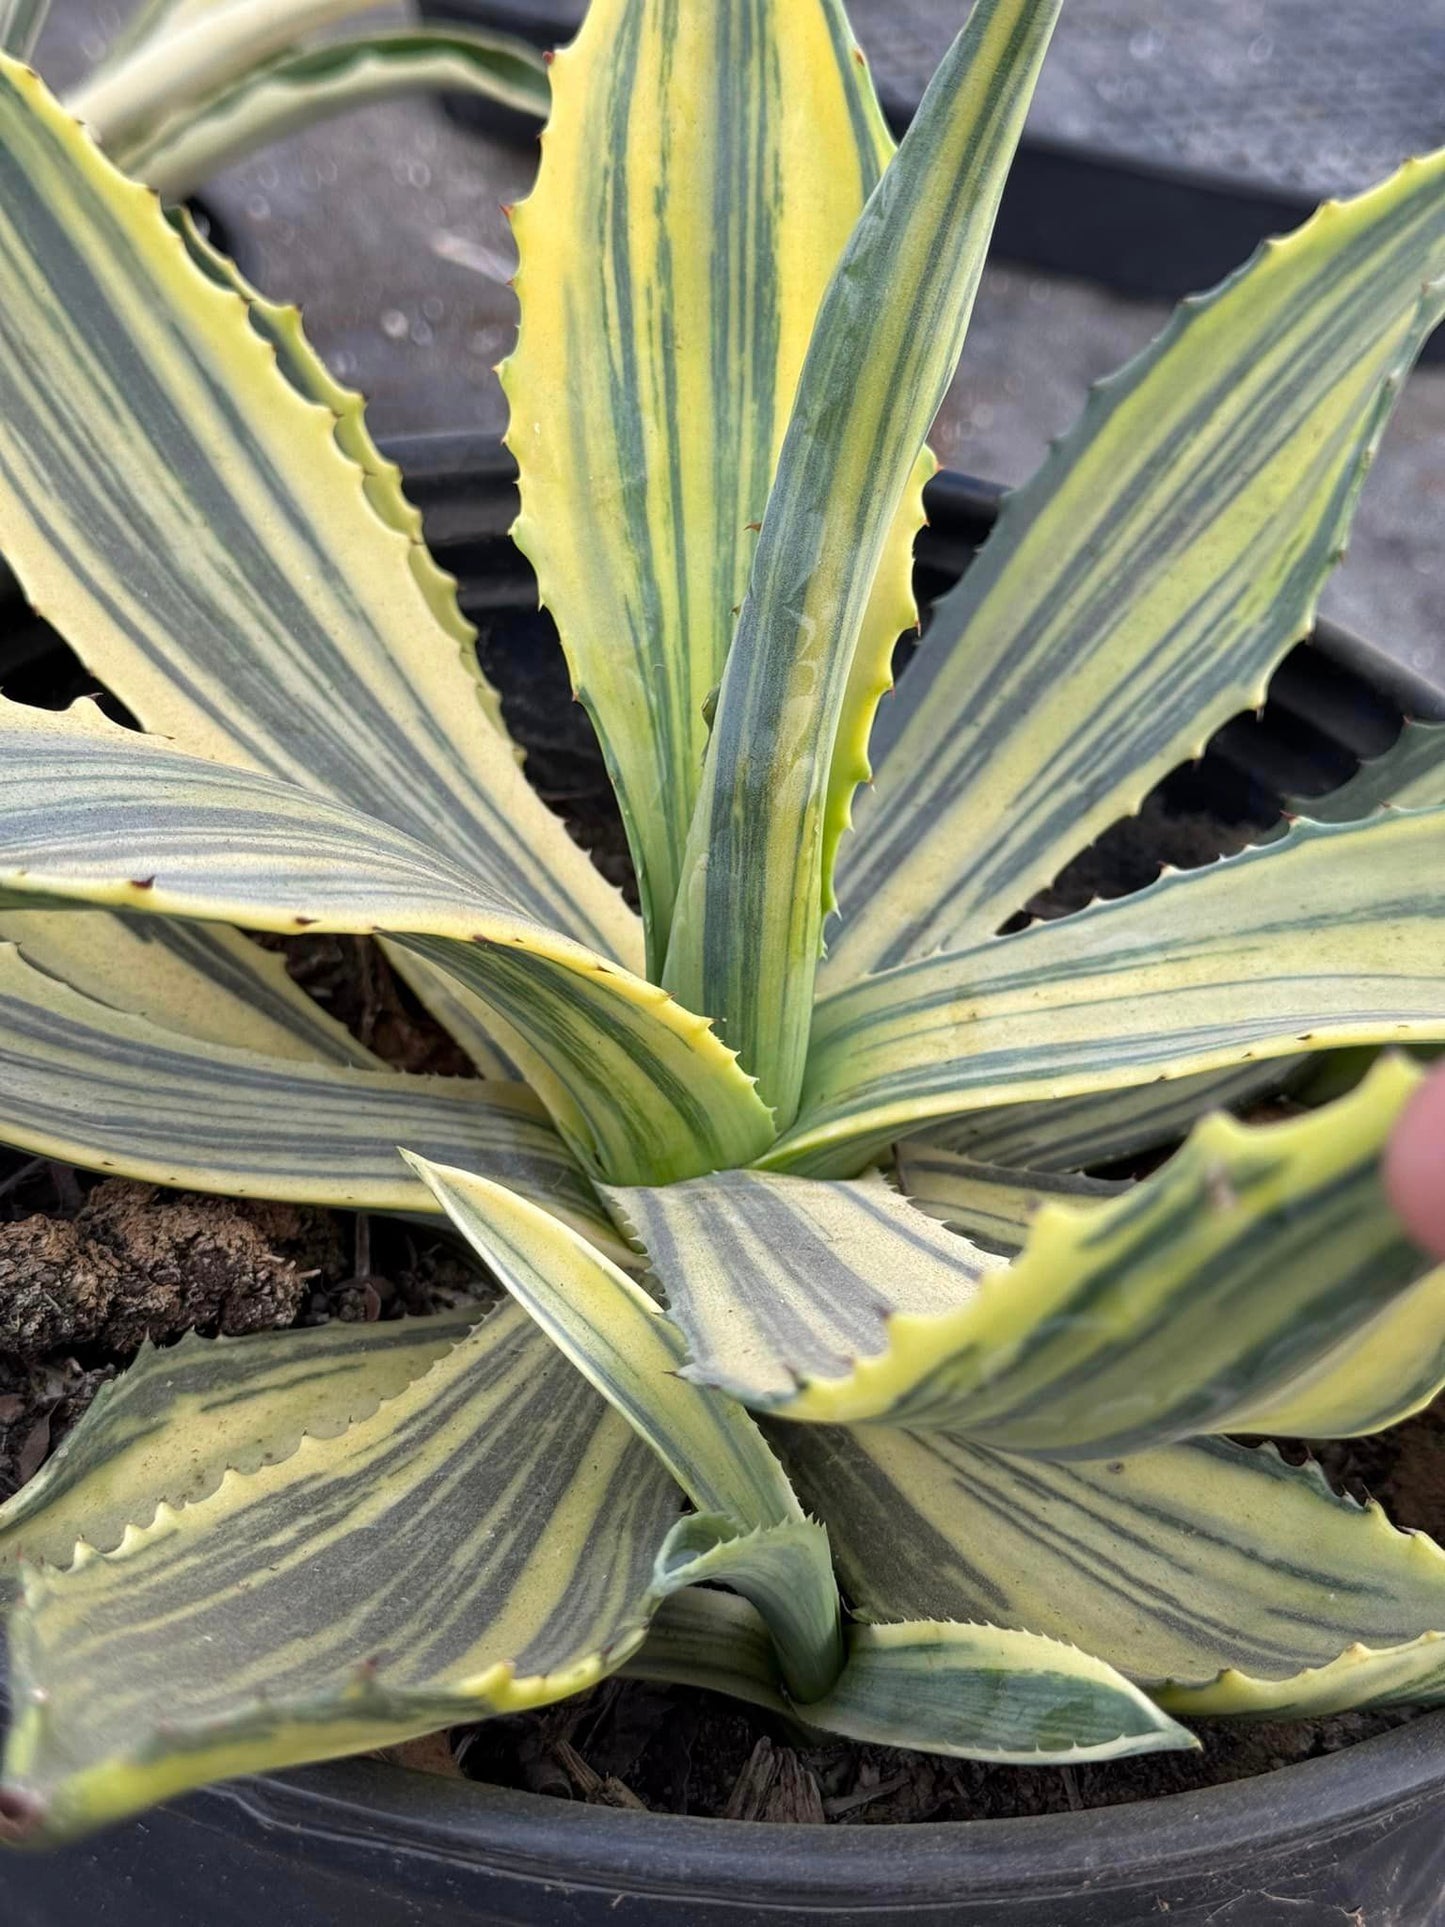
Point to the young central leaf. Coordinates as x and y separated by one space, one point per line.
700 175
745 939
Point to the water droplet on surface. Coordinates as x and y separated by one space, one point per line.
421 333
394 324
268 176
433 307
259 208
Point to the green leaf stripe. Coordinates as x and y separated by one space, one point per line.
1378 1376
117 1093
197 530
973 1691
985 1693
1181 1306
750 1530
773 1281
90 812
176 1421
1330 936
484 1542
1139 590
1409 776
701 172
210 983
1071 1133
1206 1564
989 1202
302 88
745 940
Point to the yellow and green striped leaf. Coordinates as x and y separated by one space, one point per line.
201 532
208 983
1409 776
700 174
1219 1577
478 1032
975 1692
99 1087
640 1088
1140 589
1331 936
745 939
990 1202
175 54
750 1530
484 1541
1070 1133
1183 1306
980 1692
176 1421
1381 1374
301 87
775 1281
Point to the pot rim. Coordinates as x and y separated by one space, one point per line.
349 1803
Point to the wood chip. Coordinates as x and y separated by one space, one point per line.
794 1798
31 1456
842 1803
604 1790
750 1789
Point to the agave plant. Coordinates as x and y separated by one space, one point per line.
193 85
808 1283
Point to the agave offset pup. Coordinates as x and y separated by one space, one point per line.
718 1174
194 85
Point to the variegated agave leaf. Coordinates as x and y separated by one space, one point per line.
1004 1375
715 157
745 939
1223 1579
181 149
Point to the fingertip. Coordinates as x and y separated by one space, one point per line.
1414 1166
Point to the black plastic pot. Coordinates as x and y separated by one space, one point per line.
1356 1837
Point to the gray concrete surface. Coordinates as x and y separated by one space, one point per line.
387 228
1295 93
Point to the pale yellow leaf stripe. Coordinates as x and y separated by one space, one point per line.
197 528
701 172
209 983
774 1281
456 1009
267 103
751 1532
637 1084
176 1421
1139 590
103 1088
989 1202
1331 936
1204 1293
280 1619
745 940
1223 1579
